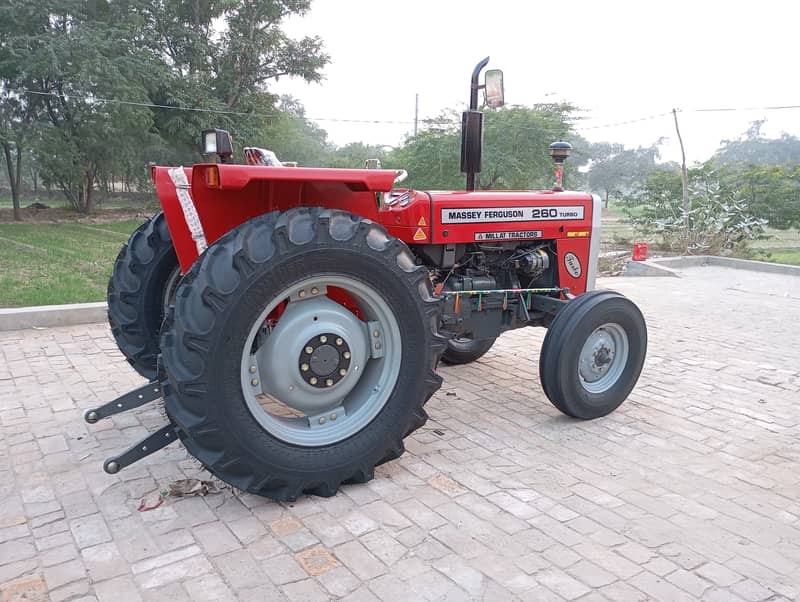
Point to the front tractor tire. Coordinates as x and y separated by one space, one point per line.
144 279
300 352
592 354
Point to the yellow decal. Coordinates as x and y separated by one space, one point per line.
582 233
420 234
422 222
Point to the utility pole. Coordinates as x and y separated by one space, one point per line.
416 113
684 178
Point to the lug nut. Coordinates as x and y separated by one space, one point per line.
313 380
333 416
376 334
314 291
254 382
323 339
301 294
309 350
252 369
342 372
322 420
339 341
304 367
329 382
377 345
346 355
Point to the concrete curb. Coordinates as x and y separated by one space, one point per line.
48 316
668 266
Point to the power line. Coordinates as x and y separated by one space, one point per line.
91 98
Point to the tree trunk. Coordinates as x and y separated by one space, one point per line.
88 188
14 173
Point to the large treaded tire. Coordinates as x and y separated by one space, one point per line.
217 304
466 350
560 353
142 270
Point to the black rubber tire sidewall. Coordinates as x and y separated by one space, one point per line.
563 344
136 293
464 351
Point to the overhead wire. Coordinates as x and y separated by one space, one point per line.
87 97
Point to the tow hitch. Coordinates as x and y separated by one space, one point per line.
152 443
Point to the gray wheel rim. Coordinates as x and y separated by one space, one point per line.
603 358
319 374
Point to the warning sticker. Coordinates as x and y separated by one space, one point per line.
471 215
420 234
422 222
510 235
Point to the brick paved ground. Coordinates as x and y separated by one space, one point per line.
691 490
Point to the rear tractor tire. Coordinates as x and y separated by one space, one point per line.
592 354
300 352
463 350
145 276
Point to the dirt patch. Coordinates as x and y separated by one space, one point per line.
58 215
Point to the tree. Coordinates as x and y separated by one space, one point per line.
615 170
97 67
753 148
515 151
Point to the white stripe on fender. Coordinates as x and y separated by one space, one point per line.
178 177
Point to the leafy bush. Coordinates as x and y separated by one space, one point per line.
720 219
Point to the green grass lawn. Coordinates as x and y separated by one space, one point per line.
70 262
46 264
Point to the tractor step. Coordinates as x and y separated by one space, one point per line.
133 399
152 443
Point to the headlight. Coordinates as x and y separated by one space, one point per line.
209 142
217 142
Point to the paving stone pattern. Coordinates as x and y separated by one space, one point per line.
691 490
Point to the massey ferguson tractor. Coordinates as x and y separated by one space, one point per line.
293 318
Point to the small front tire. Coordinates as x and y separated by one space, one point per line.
593 354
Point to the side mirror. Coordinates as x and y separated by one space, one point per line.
217 142
495 96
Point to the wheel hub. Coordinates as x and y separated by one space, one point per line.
599 365
325 360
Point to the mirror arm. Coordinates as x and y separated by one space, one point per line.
473 94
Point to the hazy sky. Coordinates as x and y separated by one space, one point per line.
616 60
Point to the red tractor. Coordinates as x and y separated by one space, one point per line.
293 318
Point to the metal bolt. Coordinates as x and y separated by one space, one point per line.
144 448
342 372
322 420
333 416
323 339
313 380
92 417
119 405
301 294
346 355
376 334
141 396
253 369
112 468
314 291
309 350
377 345
254 382
304 367
329 382
339 341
